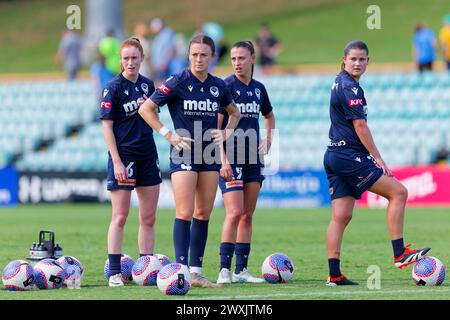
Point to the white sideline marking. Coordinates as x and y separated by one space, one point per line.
317 294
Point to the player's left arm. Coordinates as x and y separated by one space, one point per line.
269 124
365 135
234 115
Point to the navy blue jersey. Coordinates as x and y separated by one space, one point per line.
193 104
347 103
251 99
134 137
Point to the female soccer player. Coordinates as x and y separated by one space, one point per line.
240 176
194 98
133 159
353 165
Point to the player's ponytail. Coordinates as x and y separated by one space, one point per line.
131 42
249 46
354 44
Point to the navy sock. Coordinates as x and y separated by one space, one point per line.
145 254
114 263
398 246
242 252
181 239
226 254
199 235
335 269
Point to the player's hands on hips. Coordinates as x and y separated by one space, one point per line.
179 142
120 172
141 100
219 136
226 172
386 170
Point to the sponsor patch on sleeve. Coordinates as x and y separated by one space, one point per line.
355 102
105 105
164 89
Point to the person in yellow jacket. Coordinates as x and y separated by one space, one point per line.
444 39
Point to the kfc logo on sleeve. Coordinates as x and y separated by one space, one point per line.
105 105
355 102
164 89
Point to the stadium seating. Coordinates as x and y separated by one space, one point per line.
409 115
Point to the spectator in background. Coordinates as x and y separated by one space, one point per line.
69 53
162 49
424 47
444 38
268 48
100 75
141 32
180 60
215 32
109 47
441 157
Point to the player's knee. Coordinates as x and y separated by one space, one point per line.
202 213
234 215
247 218
119 220
148 221
343 219
184 215
402 193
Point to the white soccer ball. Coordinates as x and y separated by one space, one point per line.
277 268
428 271
18 275
162 258
49 274
145 270
174 279
73 268
126 265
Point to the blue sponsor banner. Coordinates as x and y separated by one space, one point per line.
295 189
9 179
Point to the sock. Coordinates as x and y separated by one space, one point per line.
335 268
199 235
398 246
195 270
226 254
181 239
145 254
242 251
114 263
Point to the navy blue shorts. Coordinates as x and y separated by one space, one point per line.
242 174
350 172
141 173
175 167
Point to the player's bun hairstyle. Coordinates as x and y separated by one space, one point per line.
247 45
203 39
354 44
131 42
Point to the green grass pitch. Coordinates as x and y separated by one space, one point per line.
81 230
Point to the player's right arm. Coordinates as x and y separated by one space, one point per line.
120 173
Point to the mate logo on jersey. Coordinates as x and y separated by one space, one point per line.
251 107
130 107
202 105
